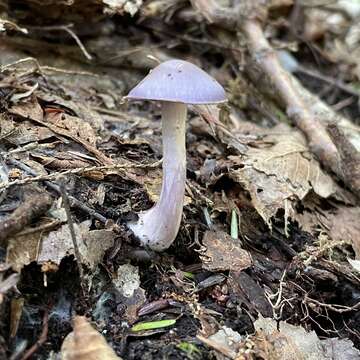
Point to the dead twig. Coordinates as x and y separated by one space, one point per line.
36 204
67 28
66 204
350 158
42 69
77 171
73 201
262 52
41 340
333 307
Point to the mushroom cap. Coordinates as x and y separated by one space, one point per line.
179 81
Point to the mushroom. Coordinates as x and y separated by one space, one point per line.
175 83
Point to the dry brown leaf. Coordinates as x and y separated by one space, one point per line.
223 253
85 343
22 250
75 126
24 132
92 244
52 247
82 110
344 225
32 111
284 341
340 224
279 175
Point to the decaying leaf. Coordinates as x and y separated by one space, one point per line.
340 224
279 175
228 340
223 253
7 284
56 245
344 225
75 126
294 343
77 130
24 132
85 343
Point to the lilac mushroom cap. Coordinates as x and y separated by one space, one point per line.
179 81
175 83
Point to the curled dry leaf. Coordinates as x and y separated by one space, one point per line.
85 343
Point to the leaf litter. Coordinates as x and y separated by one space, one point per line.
267 228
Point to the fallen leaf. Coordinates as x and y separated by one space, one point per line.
75 126
248 291
227 339
344 225
23 132
280 174
92 244
51 247
340 224
292 342
34 112
222 252
28 110
85 343
82 110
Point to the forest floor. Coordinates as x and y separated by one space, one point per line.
267 260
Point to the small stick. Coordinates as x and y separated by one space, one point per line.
56 188
35 205
70 222
66 28
75 171
350 158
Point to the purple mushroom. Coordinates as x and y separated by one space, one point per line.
175 83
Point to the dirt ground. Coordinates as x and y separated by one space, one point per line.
267 259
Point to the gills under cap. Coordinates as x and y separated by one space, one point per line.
179 81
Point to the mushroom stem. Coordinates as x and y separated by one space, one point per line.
158 227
